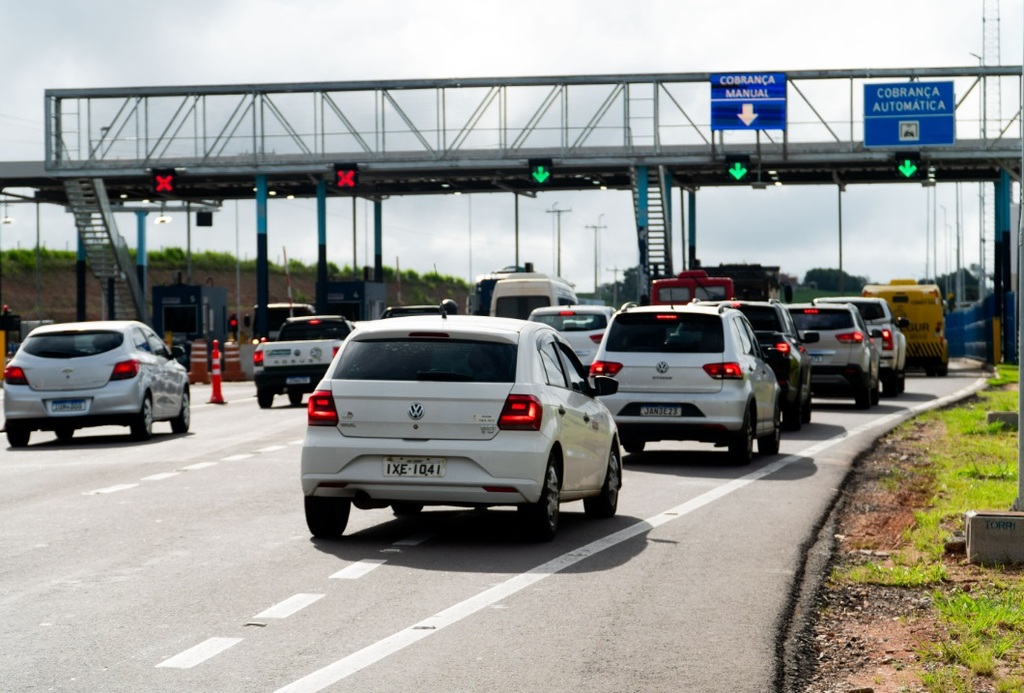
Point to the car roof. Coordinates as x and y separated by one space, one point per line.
89 325
576 308
454 325
694 307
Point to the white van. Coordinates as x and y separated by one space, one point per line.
517 295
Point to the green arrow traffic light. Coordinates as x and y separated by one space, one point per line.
738 171
540 171
907 168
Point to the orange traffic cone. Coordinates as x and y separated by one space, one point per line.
216 397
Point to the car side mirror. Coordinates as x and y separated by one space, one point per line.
810 337
876 333
177 352
604 385
903 323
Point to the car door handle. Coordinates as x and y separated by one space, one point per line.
586 418
561 411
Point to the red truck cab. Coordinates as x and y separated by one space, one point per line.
689 285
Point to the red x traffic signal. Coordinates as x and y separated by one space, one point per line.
165 181
346 176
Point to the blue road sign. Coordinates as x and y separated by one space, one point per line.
748 101
909 114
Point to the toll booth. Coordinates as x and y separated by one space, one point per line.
356 300
183 313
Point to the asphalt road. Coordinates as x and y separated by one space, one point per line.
184 564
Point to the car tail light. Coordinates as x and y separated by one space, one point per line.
781 347
566 313
605 368
257 358
521 413
320 409
15 375
887 340
334 352
850 337
727 370
125 370
596 338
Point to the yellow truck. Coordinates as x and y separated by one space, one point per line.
922 305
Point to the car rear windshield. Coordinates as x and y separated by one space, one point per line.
427 359
313 329
819 319
666 332
569 321
70 345
869 310
762 318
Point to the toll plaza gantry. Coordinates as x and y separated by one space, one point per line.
107 148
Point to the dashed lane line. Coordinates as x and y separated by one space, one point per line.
290 606
358 570
200 653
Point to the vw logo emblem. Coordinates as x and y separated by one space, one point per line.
315 353
415 411
662 367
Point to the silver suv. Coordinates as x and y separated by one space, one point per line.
845 361
893 353
690 373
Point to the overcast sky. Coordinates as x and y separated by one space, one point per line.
131 43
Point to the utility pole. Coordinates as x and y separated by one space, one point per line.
597 227
559 212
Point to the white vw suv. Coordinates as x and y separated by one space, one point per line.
690 372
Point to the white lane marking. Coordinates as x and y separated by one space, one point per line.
236 458
289 606
300 441
110 489
159 477
272 448
414 540
357 661
197 465
200 653
358 570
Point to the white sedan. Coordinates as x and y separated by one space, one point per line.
458 410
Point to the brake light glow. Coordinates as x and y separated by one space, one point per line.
887 339
809 311
521 413
669 316
125 370
314 322
15 375
320 409
850 337
334 351
781 347
729 370
605 368
596 338
567 312
257 358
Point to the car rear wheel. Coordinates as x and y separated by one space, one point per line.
406 509
769 444
862 397
875 396
607 502
890 384
142 426
741 444
264 399
17 436
327 518
793 414
541 518
181 422
805 411
295 398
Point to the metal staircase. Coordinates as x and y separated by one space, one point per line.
105 250
653 224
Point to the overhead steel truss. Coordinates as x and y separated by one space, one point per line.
436 136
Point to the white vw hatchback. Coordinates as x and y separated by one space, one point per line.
695 372
458 410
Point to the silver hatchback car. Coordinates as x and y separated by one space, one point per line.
693 372
74 375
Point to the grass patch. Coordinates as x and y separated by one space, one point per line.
972 467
